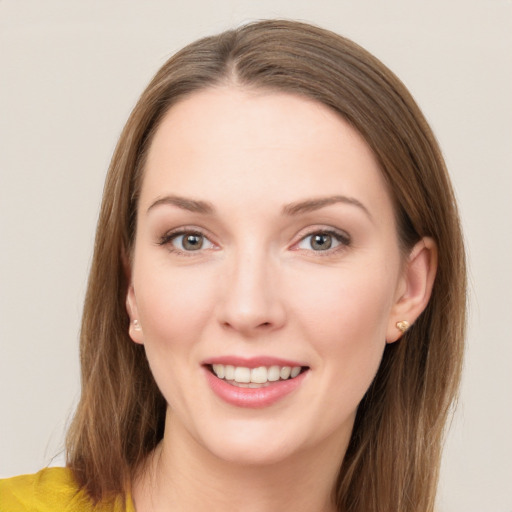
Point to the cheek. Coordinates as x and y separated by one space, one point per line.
346 316
173 305
346 305
174 308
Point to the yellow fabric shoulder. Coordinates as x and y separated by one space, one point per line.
51 490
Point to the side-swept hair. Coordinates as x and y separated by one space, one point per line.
393 458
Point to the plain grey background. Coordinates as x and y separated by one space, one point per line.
70 72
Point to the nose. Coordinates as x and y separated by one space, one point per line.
252 301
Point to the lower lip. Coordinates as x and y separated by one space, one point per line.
253 397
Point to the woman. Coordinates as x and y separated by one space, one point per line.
276 305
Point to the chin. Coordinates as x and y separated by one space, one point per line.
242 453
249 441
263 443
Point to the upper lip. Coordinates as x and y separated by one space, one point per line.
252 362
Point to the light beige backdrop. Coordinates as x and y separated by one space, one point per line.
70 71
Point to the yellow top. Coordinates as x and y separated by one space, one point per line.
51 490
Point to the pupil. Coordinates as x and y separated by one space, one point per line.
321 242
192 242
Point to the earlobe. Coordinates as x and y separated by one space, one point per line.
416 288
135 329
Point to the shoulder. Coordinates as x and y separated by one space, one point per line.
49 490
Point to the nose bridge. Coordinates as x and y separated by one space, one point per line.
251 301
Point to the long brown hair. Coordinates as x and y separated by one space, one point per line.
393 457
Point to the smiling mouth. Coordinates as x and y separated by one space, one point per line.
262 376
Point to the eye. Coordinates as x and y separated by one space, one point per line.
323 241
186 241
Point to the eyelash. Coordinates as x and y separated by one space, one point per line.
342 238
170 236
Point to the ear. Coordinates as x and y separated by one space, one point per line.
415 287
135 329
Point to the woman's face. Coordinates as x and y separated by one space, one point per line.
266 241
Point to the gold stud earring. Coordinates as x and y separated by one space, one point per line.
403 326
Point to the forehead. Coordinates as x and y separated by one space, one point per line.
259 144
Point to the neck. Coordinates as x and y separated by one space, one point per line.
181 475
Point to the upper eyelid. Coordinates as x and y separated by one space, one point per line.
312 230
183 230
167 239
298 237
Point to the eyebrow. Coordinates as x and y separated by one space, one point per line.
184 203
296 208
310 205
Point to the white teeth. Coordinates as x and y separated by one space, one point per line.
295 371
242 374
285 372
259 375
219 370
229 372
273 373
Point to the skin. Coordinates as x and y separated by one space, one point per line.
258 287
